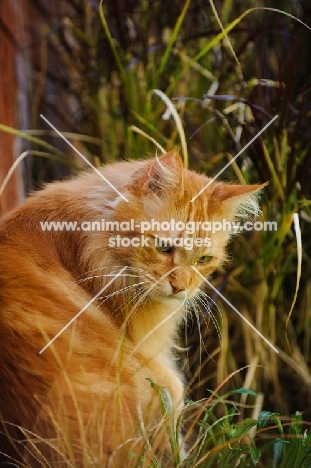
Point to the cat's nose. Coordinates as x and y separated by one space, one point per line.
176 289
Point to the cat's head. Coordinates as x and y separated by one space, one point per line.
178 235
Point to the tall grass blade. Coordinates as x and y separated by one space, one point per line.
171 42
299 258
172 109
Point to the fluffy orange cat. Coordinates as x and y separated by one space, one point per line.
111 309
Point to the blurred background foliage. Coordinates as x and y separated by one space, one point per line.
93 68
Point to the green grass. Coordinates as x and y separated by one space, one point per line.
225 441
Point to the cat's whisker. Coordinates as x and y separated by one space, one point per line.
106 276
153 286
209 301
141 301
111 272
204 300
209 304
122 290
195 308
195 304
127 302
149 276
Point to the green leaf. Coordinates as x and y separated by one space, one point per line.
243 427
247 391
263 417
165 398
296 425
277 451
255 454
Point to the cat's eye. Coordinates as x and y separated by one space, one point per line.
163 246
204 259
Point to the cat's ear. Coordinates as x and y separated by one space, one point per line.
239 200
163 173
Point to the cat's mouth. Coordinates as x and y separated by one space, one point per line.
163 296
179 295
168 291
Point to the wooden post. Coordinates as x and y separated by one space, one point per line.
15 37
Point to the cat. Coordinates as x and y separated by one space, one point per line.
86 320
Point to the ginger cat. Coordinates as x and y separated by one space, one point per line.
84 400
